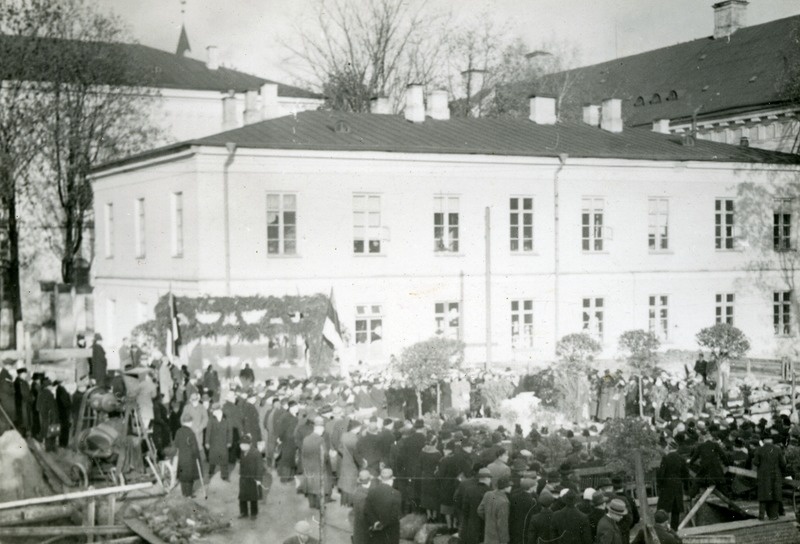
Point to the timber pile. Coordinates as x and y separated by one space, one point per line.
21 476
178 520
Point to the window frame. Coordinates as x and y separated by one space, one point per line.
369 318
372 233
590 230
520 214
782 225
724 308
591 310
782 314
722 224
177 224
658 231
140 231
282 225
447 329
446 243
658 316
522 337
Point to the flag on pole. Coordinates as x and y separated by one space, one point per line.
331 331
173 330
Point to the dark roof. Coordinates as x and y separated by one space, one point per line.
742 73
159 68
338 131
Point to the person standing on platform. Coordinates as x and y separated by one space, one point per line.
771 465
671 477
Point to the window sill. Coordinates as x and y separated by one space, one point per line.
177 256
283 256
661 252
603 252
734 250
448 254
524 253
369 255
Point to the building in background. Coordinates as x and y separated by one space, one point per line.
590 227
731 84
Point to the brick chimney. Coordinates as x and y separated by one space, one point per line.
415 103
380 105
474 79
252 113
591 115
212 57
438 107
543 110
661 126
729 16
270 109
229 120
611 115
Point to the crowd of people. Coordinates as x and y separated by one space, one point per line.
335 440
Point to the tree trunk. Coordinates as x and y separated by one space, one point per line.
641 400
438 398
419 403
12 292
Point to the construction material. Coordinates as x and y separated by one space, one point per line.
66 530
36 514
21 477
76 495
175 520
202 483
707 493
143 531
50 464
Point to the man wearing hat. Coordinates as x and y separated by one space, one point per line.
598 511
316 462
540 528
22 402
521 509
302 534
47 409
663 532
188 454
199 416
7 403
569 524
219 437
357 515
499 467
468 497
771 464
607 529
494 510
408 464
671 477
251 470
383 510
99 366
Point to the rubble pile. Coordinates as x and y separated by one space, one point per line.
179 520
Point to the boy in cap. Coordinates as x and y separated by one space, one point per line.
251 471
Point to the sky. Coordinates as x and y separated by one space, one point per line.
251 34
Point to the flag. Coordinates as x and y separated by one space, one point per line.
183 43
173 330
331 331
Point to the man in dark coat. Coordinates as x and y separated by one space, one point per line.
99 365
541 526
383 510
251 470
386 441
317 473
188 455
250 423
368 450
211 383
7 399
219 436
64 404
631 517
270 424
48 414
520 510
607 528
408 461
711 462
22 403
598 511
233 413
569 524
358 513
286 463
663 532
671 476
468 497
771 464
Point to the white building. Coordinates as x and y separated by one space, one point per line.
590 227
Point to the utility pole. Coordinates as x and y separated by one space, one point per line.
488 273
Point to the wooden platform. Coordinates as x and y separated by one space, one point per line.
750 531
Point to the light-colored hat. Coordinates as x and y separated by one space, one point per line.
617 506
587 493
303 528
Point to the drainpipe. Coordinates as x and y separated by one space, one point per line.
562 160
231 147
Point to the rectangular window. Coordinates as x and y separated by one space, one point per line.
723 223
369 324
521 324
281 224
367 224
592 224
108 230
782 312
521 221
445 224
593 309
782 225
177 225
447 316
658 224
139 226
659 316
724 308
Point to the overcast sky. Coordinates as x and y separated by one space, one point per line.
249 33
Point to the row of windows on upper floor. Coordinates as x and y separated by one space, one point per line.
370 233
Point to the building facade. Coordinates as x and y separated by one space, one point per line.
503 233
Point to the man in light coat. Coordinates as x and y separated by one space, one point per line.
494 509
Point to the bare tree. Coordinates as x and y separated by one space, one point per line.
96 100
354 51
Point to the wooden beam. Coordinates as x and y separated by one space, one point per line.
641 493
76 495
709 490
36 514
66 530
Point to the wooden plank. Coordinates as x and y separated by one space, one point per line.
141 528
709 490
35 514
76 495
66 530
641 493
91 513
732 505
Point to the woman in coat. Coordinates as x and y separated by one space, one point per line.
348 468
219 436
188 455
429 459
